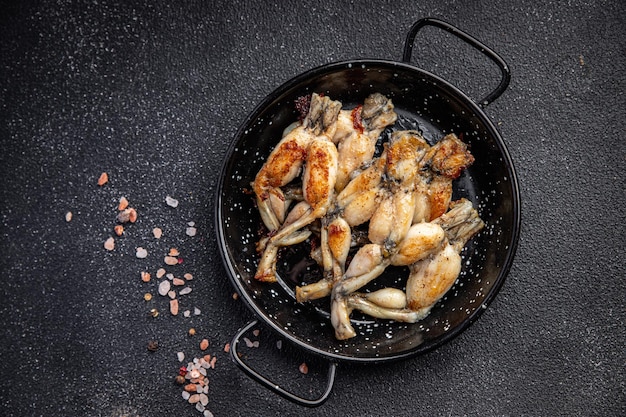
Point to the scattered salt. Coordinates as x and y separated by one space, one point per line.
172 202
109 244
181 356
157 232
68 216
196 311
186 313
141 253
164 287
186 395
191 231
185 290
170 260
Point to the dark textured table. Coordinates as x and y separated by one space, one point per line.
152 93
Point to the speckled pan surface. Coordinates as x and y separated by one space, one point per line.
422 101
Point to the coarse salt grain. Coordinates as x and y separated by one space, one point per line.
181 356
104 178
171 294
185 290
178 281
68 216
303 368
145 276
164 287
207 413
188 276
194 399
141 253
157 232
174 307
123 204
160 272
170 260
173 252
186 313
204 400
191 224
204 344
196 311
172 202
191 231
109 244
186 395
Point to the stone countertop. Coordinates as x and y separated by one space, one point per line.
152 92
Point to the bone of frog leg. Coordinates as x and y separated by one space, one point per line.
266 270
421 240
460 223
431 278
340 316
314 291
357 302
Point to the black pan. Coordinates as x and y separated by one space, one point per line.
423 101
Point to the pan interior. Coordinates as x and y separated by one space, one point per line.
424 102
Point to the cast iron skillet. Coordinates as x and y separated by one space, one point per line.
423 101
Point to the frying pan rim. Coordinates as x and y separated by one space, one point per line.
370 64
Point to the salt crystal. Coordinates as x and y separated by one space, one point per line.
199 406
191 224
202 371
157 232
170 276
205 389
256 332
279 344
164 287
248 342
194 399
181 356
191 231
68 216
141 253
160 273
186 395
196 311
207 413
178 281
109 244
186 313
172 202
170 260
185 290
188 276
171 293
204 400
199 388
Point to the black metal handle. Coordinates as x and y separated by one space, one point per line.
504 68
275 387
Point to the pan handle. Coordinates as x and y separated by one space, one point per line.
504 68
271 385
